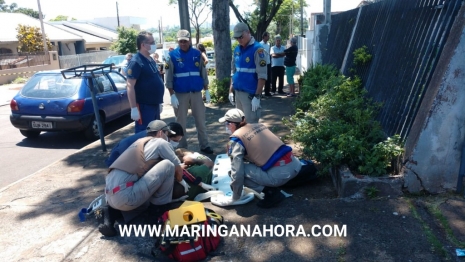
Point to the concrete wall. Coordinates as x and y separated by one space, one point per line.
8 75
433 149
12 46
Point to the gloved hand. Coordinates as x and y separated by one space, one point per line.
207 96
174 101
231 99
161 108
185 185
207 187
135 113
255 104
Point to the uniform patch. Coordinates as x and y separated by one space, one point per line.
261 52
262 63
129 71
167 66
247 59
197 64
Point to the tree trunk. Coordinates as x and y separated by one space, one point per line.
222 39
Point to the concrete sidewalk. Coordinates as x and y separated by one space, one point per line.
7 92
39 214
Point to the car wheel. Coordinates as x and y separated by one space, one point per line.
30 133
91 132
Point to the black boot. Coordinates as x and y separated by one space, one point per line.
272 197
107 228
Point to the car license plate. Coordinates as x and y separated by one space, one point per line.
45 125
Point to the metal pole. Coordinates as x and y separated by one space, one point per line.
41 18
302 18
117 12
97 115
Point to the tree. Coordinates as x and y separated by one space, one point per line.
265 12
30 39
126 42
222 39
62 18
289 8
196 8
13 8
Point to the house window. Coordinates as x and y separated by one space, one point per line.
5 51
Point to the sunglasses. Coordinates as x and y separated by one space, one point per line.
240 37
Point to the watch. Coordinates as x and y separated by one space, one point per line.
257 96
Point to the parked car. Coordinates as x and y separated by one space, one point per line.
211 60
49 102
119 61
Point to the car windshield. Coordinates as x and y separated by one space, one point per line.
50 86
211 55
115 60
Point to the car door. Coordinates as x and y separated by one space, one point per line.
107 98
121 86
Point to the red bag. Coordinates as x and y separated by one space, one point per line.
193 249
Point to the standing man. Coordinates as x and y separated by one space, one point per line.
127 59
266 46
185 77
248 73
277 65
289 62
145 86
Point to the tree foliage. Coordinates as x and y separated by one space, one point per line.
126 42
62 18
13 8
196 17
264 13
30 39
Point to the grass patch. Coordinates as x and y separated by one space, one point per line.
341 251
436 212
436 245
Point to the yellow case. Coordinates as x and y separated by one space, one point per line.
188 213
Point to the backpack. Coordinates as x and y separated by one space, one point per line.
181 248
307 173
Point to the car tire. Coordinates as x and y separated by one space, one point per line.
30 134
91 132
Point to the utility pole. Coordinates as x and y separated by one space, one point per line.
184 16
302 18
117 12
41 18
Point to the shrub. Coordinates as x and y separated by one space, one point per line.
314 83
20 80
336 124
219 90
361 56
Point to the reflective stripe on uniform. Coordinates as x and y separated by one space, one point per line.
187 74
246 70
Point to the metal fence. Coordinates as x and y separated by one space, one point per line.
68 61
405 39
18 60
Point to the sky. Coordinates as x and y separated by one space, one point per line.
152 10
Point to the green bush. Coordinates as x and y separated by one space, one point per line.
20 80
336 124
219 90
314 83
361 56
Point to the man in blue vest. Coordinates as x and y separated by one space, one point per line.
185 77
145 86
249 73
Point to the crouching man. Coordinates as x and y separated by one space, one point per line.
143 174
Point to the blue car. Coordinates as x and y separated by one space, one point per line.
49 102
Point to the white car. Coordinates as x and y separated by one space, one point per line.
211 60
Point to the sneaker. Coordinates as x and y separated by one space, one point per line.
107 228
268 94
281 93
207 150
271 198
